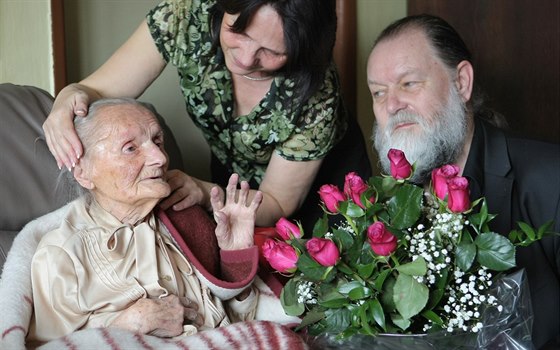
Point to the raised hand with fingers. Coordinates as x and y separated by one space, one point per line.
236 218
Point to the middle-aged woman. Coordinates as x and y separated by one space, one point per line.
259 81
114 261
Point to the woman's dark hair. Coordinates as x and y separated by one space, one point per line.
309 34
450 49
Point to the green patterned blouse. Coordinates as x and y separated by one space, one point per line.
181 32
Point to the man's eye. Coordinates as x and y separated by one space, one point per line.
129 149
410 84
378 94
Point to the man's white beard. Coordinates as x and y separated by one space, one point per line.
434 146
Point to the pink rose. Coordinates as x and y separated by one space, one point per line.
382 241
458 199
286 229
280 255
354 186
331 196
440 177
400 167
323 250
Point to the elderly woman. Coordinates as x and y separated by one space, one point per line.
116 261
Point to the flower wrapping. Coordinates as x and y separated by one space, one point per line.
407 260
508 329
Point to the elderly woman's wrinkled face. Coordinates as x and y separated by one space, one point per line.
128 162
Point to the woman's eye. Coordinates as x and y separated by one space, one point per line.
129 149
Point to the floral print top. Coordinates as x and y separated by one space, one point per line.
181 30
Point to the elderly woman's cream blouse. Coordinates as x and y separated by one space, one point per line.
93 267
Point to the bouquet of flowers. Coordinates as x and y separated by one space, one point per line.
404 259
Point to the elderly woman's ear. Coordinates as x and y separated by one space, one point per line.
82 177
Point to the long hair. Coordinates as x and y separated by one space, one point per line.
450 49
309 34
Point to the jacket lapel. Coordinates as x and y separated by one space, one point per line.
498 180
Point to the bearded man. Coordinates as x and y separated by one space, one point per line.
421 81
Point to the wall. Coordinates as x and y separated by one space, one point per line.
372 16
25 43
95 29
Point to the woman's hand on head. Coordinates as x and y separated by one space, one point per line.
62 140
236 218
162 317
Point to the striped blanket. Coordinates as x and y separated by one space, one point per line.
270 331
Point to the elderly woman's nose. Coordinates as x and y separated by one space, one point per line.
155 155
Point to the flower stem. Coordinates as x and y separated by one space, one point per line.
352 224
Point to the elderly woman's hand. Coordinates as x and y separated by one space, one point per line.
162 317
236 219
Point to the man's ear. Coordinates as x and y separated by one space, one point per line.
465 80
82 176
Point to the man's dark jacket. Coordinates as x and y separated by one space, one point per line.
521 180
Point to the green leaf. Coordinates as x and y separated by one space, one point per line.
399 321
410 296
528 230
495 251
414 268
366 329
333 299
366 270
359 293
321 226
345 238
385 185
464 255
380 279
377 313
288 299
311 317
353 210
387 299
514 236
345 288
438 289
310 268
337 320
546 229
405 207
344 269
432 316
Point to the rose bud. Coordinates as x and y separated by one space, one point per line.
400 167
382 241
331 196
440 177
280 255
458 198
354 186
323 250
287 229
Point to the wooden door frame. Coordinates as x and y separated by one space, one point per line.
59 45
